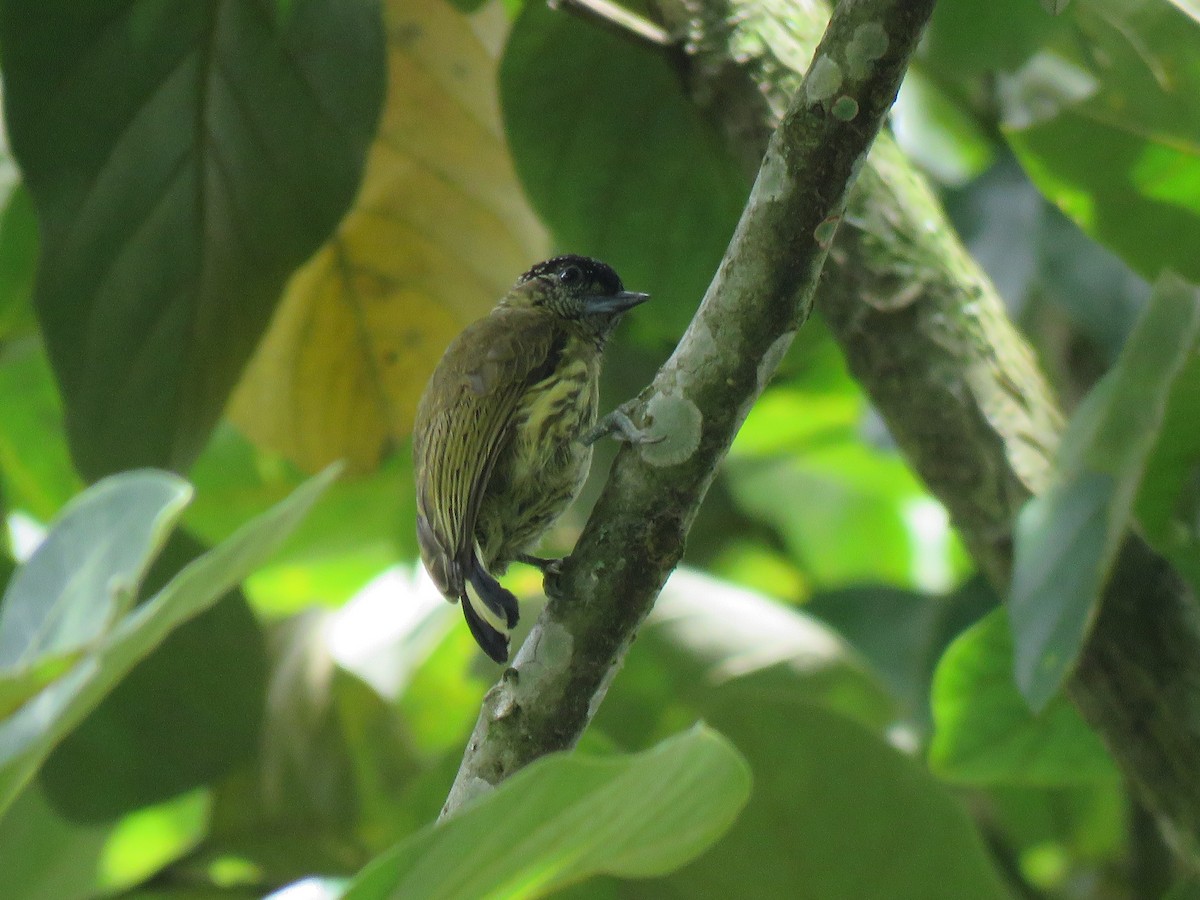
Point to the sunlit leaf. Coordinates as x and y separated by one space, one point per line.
359 527
1125 152
27 737
565 817
87 571
36 467
985 733
1113 181
439 232
45 856
846 512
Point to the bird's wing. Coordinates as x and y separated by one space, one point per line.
463 424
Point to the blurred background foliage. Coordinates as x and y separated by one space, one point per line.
285 211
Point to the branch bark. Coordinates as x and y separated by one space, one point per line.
760 296
925 333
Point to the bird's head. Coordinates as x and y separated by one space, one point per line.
586 293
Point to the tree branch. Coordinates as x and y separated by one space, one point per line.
760 296
925 333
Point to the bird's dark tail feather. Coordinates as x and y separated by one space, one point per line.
493 642
502 603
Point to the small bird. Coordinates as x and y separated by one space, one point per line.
497 444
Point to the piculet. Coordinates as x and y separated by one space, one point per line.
497 444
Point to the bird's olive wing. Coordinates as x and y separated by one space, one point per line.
463 424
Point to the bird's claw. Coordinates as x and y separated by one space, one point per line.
546 566
551 569
621 427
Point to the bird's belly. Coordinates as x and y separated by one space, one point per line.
544 468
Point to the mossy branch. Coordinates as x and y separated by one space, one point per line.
927 336
760 296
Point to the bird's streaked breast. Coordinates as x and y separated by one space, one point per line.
557 409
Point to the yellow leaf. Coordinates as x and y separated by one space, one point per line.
439 231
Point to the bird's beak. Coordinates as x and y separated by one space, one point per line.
612 304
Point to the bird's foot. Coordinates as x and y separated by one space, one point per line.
551 570
621 427
546 566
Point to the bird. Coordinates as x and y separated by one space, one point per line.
498 440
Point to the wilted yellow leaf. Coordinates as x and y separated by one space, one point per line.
439 231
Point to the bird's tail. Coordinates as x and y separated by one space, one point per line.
493 641
482 590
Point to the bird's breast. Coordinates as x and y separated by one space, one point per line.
545 464
558 409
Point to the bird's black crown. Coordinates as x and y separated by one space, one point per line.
593 271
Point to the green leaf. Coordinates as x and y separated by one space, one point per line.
19 686
1168 506
836 813
18 262
355 531
1113 182
618 160
1174 460
902 634
35 464
833 807
1124 149
845 512
147 840
1062 556
27 737
1186 888
984 733
87 571
969 37
1066 538
183 159
135 749
565 818
44 856
704 633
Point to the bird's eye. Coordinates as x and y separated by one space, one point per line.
569 275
